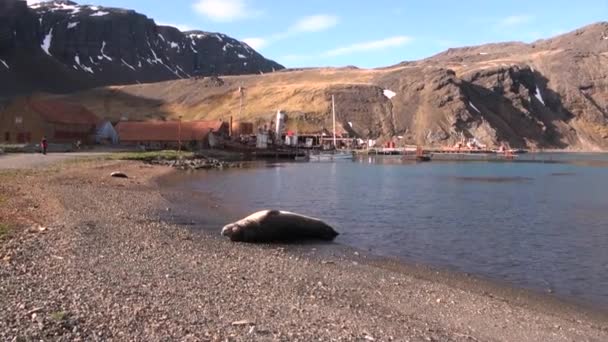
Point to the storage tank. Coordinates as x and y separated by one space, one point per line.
280 126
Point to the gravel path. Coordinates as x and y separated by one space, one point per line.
104 266
36 160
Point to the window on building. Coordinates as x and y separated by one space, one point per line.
7 136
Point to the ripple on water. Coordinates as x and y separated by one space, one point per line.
491 179
539 225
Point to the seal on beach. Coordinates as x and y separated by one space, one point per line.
276 225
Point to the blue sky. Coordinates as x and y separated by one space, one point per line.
369 33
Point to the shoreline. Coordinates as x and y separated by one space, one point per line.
450 276
109 265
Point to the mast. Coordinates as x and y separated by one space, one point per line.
333 110
241 102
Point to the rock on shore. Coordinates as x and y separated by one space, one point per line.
193 164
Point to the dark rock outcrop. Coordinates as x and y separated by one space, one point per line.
60 46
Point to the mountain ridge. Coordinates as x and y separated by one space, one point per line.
550 94
99 46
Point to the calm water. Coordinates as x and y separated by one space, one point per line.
538 225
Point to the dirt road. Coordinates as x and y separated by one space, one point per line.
36 160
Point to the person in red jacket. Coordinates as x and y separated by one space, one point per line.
44 145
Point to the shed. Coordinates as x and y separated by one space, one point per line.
106 134
167 134
26 121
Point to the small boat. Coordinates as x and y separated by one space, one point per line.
331 156
423 158
506 149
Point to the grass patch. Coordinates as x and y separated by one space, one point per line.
5 231
59 315
16 148
8 174
150 155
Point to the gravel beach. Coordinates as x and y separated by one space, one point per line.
92 258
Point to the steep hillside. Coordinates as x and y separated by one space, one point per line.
549 94
60 46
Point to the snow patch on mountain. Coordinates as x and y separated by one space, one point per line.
103 46
99 14
389 93
127 64
539 96
46 43
474 108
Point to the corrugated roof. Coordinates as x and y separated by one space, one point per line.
63 112
165 130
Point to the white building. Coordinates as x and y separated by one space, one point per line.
106 134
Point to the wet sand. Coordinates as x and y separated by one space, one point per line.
110 264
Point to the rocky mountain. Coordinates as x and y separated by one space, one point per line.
549 94
60 46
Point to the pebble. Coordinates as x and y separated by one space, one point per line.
241 323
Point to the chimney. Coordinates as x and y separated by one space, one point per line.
230 130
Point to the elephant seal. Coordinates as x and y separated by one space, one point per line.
276 225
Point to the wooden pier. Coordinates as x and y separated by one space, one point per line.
278 154
386 151
422 154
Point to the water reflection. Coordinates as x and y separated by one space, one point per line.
490 179
534 224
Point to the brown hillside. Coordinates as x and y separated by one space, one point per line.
551 94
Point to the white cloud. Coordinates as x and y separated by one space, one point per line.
225 10
182 28
309 24
370 46
315 23
295 58
514 20
358 47
256 43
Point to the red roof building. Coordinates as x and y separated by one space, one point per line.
27 121
59 112
162 134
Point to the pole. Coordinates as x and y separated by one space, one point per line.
230 130
241 101
179 136
333 110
